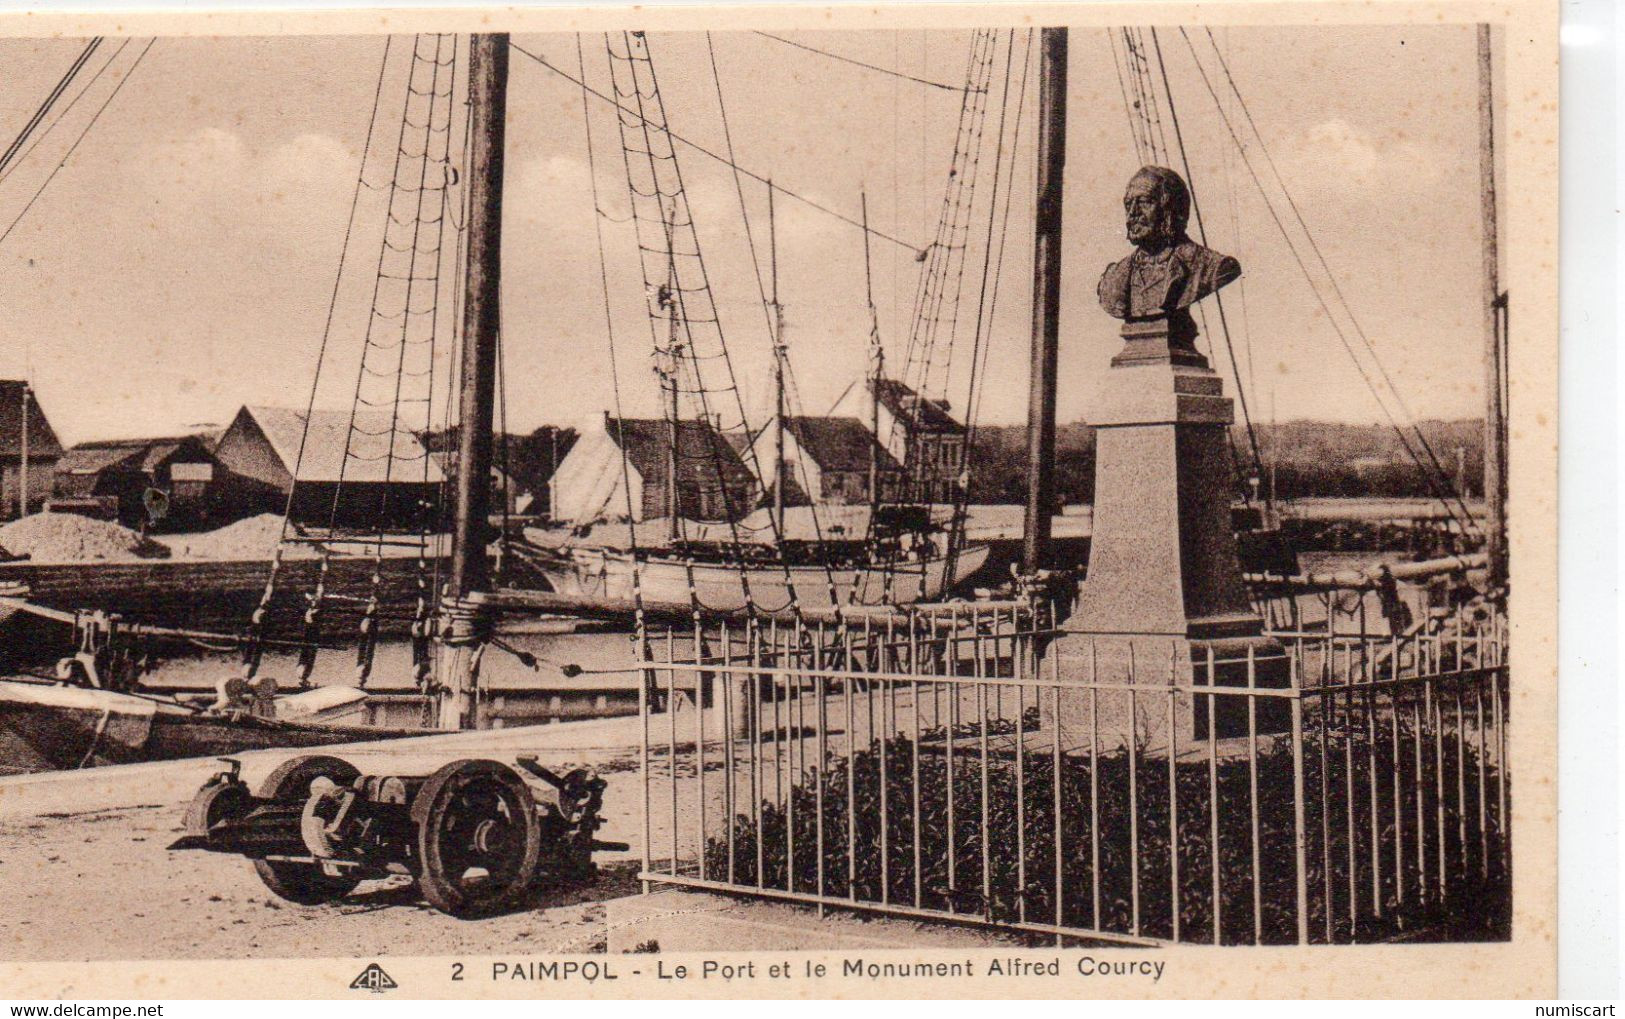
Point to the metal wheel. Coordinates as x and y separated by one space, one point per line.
305 883
216 802
479 838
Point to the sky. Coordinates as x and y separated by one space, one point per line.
182 259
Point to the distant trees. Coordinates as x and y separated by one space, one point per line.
1311 458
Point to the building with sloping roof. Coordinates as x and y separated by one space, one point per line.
23 421
924 437
121 473
827 461
591 482
363 470
507 495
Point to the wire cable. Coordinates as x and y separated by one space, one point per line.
866 66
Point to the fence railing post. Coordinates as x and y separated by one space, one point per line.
1410 691
1300 839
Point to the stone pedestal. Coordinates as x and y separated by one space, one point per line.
1164 592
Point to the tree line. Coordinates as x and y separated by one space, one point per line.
1309 459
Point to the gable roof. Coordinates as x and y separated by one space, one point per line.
95 459
87 457
919 414
703 453
42 440
335 450
839 443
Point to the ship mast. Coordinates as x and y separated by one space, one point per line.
1046 297
877 368
1494 321
778 370
669 387
470 568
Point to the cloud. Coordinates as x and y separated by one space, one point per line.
274 194
1336 157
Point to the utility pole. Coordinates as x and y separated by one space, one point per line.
1046 296
1494 306
470 566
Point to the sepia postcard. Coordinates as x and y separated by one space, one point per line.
976 500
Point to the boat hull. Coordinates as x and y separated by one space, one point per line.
47 728
592 573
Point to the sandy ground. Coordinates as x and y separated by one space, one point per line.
85 875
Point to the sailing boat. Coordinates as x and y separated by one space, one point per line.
685 467
94 711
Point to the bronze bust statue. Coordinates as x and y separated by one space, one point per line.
1167 272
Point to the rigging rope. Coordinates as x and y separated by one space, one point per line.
614 371
987 304
257 621
1201 233
1438 479
117 88
866 66
943 273
668 302
777 339
369 629
46 104
429 212
625 111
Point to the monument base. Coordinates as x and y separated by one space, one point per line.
1148 690
1163 610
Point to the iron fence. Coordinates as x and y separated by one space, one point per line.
982 766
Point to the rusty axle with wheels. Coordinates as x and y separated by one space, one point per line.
475 835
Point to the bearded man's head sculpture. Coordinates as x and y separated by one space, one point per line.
1167 272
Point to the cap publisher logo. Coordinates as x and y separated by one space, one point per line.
373 979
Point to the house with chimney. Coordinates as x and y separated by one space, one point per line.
921 434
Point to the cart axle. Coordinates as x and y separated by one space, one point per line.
475 835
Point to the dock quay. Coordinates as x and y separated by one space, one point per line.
87 849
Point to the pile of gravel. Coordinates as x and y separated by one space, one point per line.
252 538
69 537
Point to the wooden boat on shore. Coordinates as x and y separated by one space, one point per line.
190 592
49 727
592 573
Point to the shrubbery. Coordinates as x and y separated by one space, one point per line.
1476 905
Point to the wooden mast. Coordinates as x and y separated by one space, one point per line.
877 367
1046 297
1494 304
674 432
470 568
778 370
